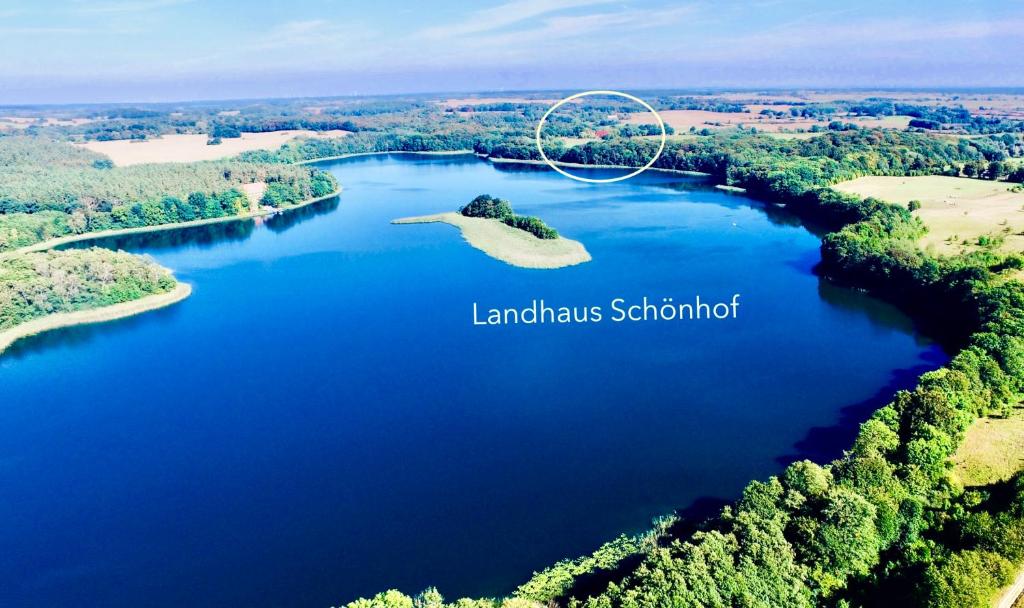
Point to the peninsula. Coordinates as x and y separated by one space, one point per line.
48 290
489 225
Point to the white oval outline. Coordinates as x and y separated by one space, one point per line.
661 148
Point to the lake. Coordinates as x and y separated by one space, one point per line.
321 419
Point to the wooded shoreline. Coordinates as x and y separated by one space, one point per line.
93 315
88 236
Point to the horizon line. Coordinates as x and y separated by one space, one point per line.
999 89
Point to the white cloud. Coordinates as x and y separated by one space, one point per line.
510 13
846 39
593 35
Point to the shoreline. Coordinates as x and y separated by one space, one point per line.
357 154
499 160
1009 595
88 236
506 244
102 314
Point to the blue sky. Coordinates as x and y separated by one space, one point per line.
154 50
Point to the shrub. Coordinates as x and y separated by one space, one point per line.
487 206
532 225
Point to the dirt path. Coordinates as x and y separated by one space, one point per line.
1009 597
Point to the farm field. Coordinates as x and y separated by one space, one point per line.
183 148
682 120
992 451
958 211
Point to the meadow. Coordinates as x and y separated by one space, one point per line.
960 213
188 147
992 451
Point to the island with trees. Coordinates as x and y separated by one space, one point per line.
490 225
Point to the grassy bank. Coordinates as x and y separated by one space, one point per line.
45 290
961 213
93 315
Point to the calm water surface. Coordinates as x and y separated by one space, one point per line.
321 420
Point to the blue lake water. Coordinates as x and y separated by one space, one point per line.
321 419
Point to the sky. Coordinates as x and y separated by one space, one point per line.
69 51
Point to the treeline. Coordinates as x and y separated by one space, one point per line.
764 164
38 284
308 149
234 127
487 206
927 117
886 524
223 120
644 130
694 103
51 189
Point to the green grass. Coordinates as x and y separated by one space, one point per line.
993 450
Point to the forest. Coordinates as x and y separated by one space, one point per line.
33 285
50 189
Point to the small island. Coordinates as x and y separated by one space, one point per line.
489 224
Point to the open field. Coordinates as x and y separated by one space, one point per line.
19 123
955 209
993 450
508 244
984 102
185 148
682 120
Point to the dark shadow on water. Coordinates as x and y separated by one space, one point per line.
823 444
198 236
209 235
880 313
690 519
284 221
693 517
82 334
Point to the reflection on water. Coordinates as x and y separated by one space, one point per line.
82 335
209 235
289 219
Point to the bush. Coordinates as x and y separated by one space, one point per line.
279 194
967 579
489 207
532 225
